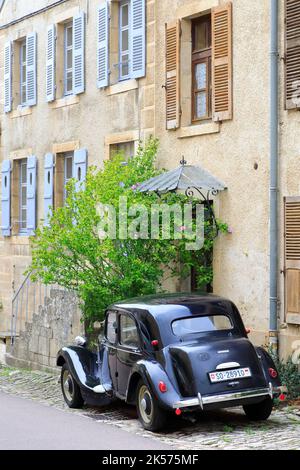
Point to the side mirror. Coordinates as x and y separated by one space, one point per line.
80 341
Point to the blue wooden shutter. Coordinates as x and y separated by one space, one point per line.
50 63
48 187
5 199
80 168
31 83
78 54
138 39
8 77
103 46
31 194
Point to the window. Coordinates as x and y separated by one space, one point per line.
201 69
68 59
68 171
125 148
128 332
23 67
23 196
205 324
124 40
111 327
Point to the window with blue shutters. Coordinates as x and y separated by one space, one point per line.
23 196
103 46
51 63
31 194
48 187
68 171
23 75
80 168
79 53
138 39
8 77
132 39
124 39
68 58
31 64
6 198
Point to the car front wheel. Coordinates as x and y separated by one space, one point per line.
151 416
259 411
70 389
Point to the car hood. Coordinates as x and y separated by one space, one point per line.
193 361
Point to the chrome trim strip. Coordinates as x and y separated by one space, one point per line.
208 400
228 365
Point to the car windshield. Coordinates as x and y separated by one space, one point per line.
205 324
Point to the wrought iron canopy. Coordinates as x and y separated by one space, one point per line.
194 181
186 178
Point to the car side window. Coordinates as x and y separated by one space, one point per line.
128 332
111 327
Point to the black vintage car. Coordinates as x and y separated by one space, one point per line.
173 353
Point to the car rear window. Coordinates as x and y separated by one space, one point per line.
191 325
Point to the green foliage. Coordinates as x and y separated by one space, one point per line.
289 374
70 253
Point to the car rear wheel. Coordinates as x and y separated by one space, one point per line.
152 417
259 411
70 389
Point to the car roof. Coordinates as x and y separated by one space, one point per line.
184 304
159 311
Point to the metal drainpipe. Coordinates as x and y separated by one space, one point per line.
274 150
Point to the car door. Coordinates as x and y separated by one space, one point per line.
111 344
129 350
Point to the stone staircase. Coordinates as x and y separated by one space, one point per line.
56 324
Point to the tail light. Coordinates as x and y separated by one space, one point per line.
273 373
178 412
162 387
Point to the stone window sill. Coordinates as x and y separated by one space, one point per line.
122 87
20 239
199 129
64 102
293 319
20 112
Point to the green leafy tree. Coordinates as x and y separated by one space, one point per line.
70 253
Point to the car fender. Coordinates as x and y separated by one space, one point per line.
152 373
82 365
267 363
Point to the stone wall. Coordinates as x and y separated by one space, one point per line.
56 325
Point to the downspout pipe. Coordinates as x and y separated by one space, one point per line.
274 176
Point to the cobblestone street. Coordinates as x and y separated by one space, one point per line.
223 430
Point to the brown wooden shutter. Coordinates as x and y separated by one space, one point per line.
222 62
292 258
292 54
173 108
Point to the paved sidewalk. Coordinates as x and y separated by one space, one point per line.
220 430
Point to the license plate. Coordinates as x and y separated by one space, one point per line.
230 375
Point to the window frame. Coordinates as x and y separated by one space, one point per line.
22 205
23 66
204 332
122 28
106 326
126 346
67 26
199 57
67 156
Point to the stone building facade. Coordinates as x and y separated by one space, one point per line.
82 78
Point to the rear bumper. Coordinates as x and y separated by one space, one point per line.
202 401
